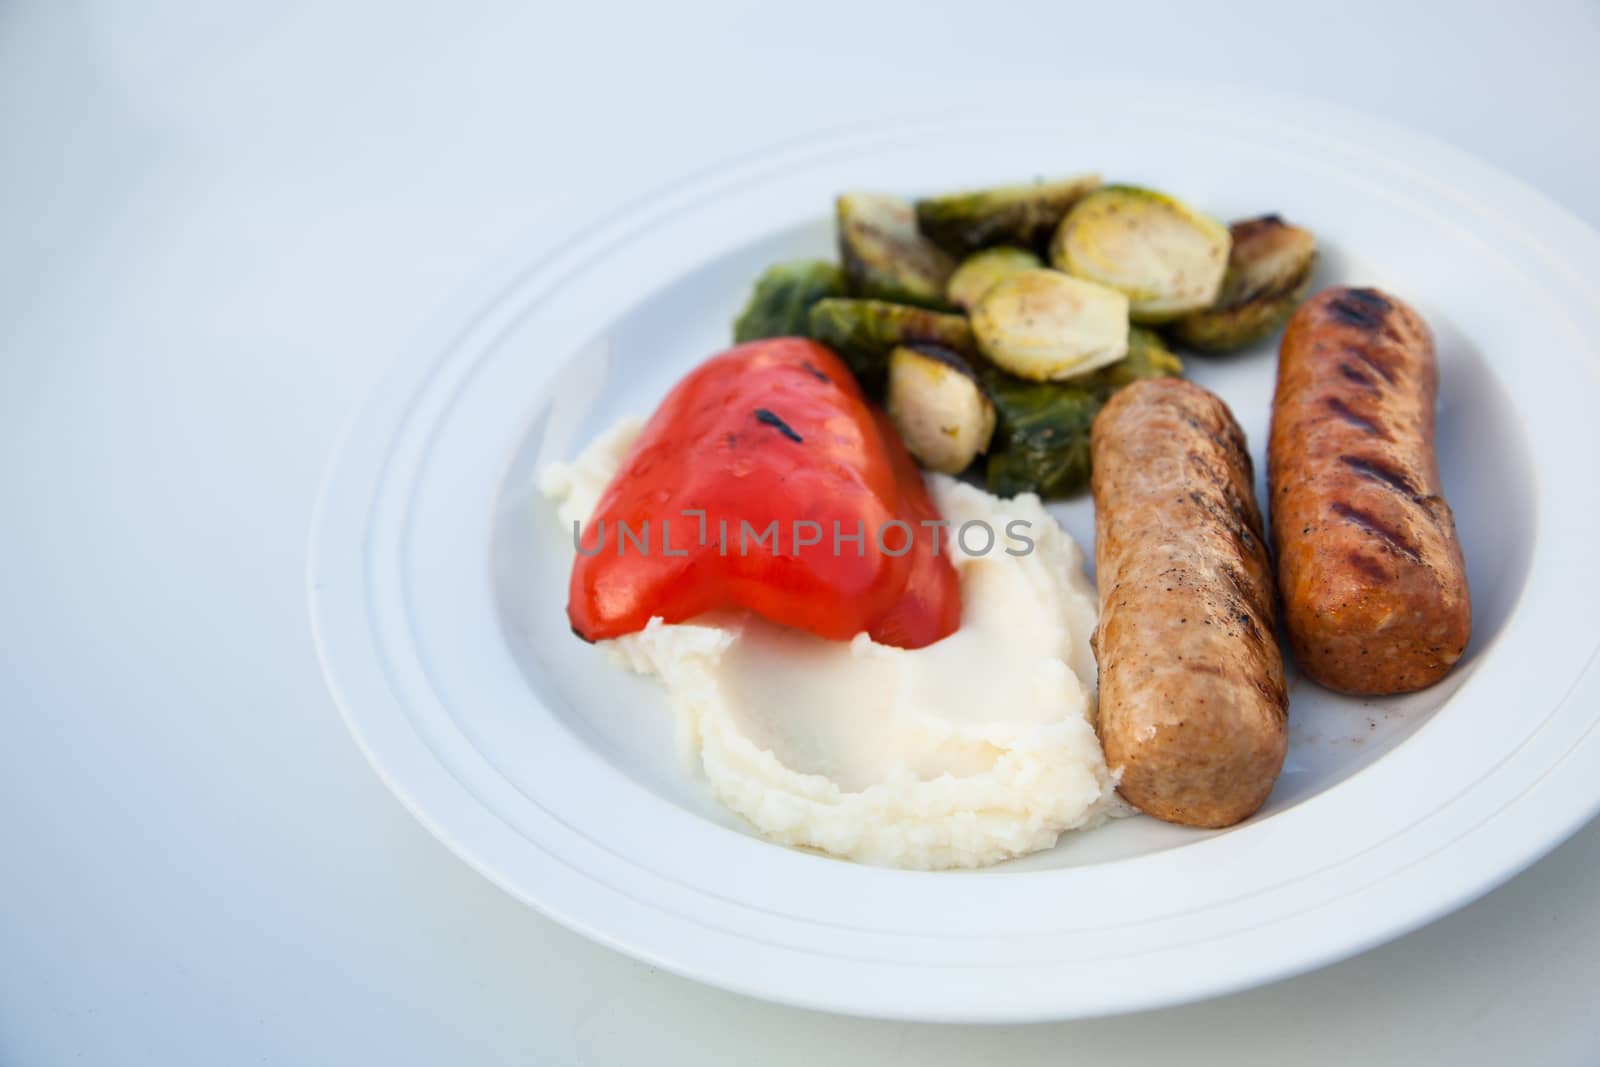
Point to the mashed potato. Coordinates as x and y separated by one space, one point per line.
970 751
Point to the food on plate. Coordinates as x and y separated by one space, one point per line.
1044 427
1045 326
982 271
1167 258
1148 357
1193 709
1043 437
938 407
885 257
1269 273
774 438
864 332
972 750
1374 586
780 304
1014 214
856 676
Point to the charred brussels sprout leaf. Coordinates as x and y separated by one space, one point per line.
885 258
1043 427
1166 257
781 302
1043 430
1148 357
937 404
982 271
1015 214
1269 273
864 332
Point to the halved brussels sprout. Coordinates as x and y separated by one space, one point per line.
936 403
1044 326
780 304
864 332
1043 430
885 258
1167 258
1013 214
982 271
1269 273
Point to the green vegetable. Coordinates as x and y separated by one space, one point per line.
1045 326
936 403
1015 214
864 332
782 299
1148 357
884 256
982 271
1043 427
1043 430
1167 258
1269 273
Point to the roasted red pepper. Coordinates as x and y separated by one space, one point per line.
766 481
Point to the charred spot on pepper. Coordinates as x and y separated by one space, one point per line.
811 369
769 418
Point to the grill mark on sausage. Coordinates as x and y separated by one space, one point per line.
1352 373
1384 474
1377 528
1368 566
1365 309
1343 410
1248 623
1274 694
1229 518
1367 357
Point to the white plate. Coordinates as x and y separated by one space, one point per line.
438 589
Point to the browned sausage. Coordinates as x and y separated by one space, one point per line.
1192 703
1374 589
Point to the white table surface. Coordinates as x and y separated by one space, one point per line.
218 222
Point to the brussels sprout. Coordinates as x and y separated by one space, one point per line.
782 299
1014 214
1165 257
1043 432
936 403
982 271
1148 357
885 258
1044 326
864 332
1269 273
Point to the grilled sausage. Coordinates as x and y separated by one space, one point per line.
1375 595
1193 711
